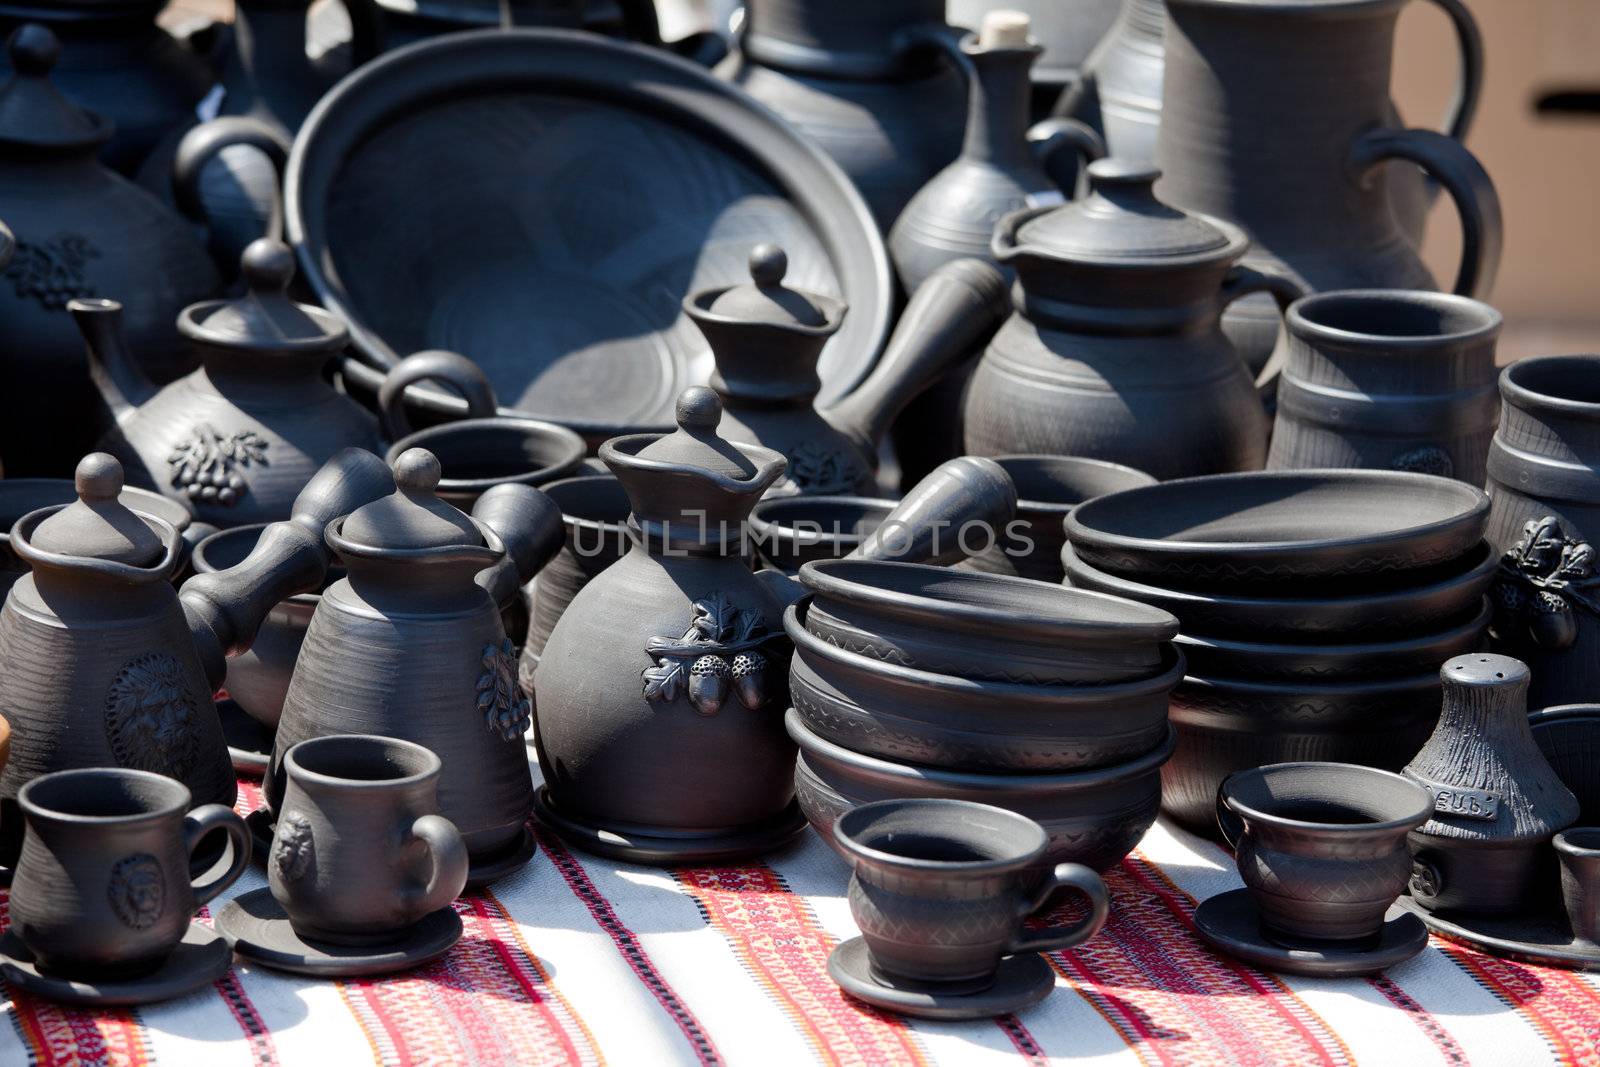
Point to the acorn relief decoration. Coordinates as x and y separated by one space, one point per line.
717 656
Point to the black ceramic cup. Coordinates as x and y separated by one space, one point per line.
1321 846
941 889
361 852
102 886
1579 852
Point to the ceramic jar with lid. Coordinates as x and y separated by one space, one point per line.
659 696
1115 349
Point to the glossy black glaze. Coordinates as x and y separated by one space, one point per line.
1569 737
1321 846
1092 817
1391 379
983 626
941 890
1257 530
1544 488
554 235
102 886
1487 847
361 853
877 86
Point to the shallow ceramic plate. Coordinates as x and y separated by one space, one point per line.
1262 528
541 201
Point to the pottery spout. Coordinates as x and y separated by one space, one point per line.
225 608
951 316
116 375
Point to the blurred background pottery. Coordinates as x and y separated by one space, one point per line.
1068 31
1569 737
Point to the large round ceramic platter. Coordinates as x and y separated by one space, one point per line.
542 200
1263 528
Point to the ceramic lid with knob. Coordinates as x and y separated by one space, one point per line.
696 443
413 516
97 525
766 301
33 112
1121 222
265 318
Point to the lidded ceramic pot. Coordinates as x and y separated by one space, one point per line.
81 231
660 694
1497 802
409 644
1114 349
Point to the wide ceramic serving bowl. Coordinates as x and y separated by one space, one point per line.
1227 725
788 532
938 720
1211 657
1260 529
1092 817
1433 602
984 626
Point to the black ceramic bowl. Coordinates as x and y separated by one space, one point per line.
478 454
1433 603
594 510
1093 817
1212 657
1260 529
1228 725
789 531
984 626
938 720
1569 737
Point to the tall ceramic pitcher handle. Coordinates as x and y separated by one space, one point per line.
1053 136
241 205
201 822
1463 177
447 368
1073 876
1284 290
1469 83
447 854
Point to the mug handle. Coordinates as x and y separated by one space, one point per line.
448 368
449 855
1463 177
1231 825
1241 281
1065 876
200 822
1469 83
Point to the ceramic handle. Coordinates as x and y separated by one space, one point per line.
202 821
448 854
234 212
447 368
1051 136
1469 83
1464 179
529 524
1073 876
1284 290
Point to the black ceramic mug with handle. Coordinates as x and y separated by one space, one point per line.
1321 846
361 852
942 889
102 887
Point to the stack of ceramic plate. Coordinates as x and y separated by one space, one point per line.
918 681
1315 606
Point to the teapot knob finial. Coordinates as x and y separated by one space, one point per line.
699 410
267 265
768 264
98 478
33 50
417 470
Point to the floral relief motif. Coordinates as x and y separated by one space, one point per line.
151 717
206 466
719 652
501 700
137 891
1544 580
815 468
292 853
52 273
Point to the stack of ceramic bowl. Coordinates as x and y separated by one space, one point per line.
918 681
1315 606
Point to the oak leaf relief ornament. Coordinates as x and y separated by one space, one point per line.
719 653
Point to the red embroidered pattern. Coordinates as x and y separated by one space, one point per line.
1561 1006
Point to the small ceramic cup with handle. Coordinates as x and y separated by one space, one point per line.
1321 846
1578 848
102 887
942 888
361 852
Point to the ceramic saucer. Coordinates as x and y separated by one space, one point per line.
258 929
201 958
1023 981
636 846
513 858
1544 937
1230 923
249 742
